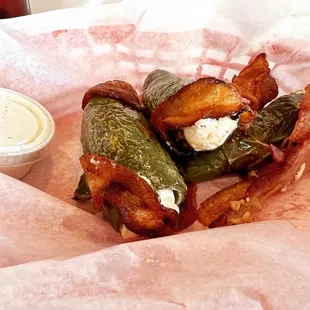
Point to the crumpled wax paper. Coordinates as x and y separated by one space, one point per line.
56 256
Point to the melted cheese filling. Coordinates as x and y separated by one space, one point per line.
166 198
209 134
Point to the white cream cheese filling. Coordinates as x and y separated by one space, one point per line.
166 198
209 134
126 233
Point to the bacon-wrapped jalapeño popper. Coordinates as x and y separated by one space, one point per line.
127 171
247 150
198 116
220 126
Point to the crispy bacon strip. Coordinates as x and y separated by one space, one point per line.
279 177
118 90
216 205
275 177
302 128
271 179
205 98
188 209
135 200
256 84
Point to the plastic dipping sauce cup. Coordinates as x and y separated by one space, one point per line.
26 130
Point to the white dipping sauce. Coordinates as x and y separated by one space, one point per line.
18 124
26 129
